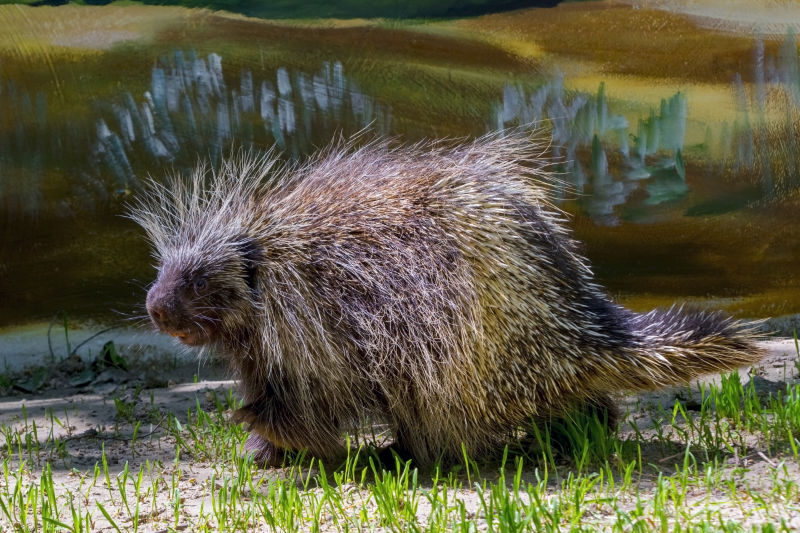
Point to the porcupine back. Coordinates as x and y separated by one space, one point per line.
431 286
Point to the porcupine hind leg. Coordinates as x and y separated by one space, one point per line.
603 406
426 444
606 407
397 449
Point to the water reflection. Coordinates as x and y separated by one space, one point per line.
607 163
67 166
190 109
23 144
66 163
70 164
584 131
762 145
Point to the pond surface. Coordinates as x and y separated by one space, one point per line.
81 128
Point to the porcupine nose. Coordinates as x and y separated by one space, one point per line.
158 314
158 307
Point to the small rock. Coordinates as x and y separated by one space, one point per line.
105 389
110 375
83 378
73 364
765 387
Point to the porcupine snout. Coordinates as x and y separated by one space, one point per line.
170 313
161 307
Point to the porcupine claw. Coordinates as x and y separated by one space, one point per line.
264 452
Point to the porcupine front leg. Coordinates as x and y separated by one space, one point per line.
264 452
278 425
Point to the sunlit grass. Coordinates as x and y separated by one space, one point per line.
685 468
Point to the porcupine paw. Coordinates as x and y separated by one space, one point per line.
264 452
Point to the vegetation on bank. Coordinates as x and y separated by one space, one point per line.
314 9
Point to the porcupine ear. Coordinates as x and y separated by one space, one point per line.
251 257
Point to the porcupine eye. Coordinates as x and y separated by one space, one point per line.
200 285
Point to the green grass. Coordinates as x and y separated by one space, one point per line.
725 460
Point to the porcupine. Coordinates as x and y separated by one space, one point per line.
433 287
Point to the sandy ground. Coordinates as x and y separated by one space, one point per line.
88 420
170 383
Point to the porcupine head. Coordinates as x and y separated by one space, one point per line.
206 256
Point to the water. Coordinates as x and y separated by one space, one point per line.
66 245
662 221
